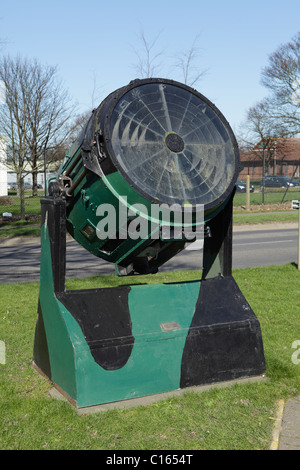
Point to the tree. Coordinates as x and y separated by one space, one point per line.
35 116
148 64
278 115
49 110
14 122
186 64
260 133
78 125
282 78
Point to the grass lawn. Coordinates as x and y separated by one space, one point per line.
265 218
11 203
33 205
272 196
237 417
18 228
10 229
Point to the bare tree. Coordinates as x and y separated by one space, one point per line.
14 124
187 63
261 127
278 115
149 63
282 78
34 117
48 110
258 124
96 92
79 124
148 57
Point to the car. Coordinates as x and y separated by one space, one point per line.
293 183
272 182
241 187
279 181
12 186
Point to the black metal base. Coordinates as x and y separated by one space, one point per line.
224 340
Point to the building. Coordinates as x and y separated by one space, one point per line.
12 176
282 157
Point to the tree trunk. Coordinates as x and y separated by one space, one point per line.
20 180
34 182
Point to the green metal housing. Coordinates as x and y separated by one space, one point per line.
92 175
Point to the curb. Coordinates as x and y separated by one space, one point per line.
267 226
277 426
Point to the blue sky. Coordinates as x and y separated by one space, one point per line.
93 42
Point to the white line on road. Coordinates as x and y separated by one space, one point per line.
261 243
198 245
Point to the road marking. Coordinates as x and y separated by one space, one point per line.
262 243
198 245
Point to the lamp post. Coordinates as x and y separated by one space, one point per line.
274 172
263 176
45 172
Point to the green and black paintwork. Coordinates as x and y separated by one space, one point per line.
111 344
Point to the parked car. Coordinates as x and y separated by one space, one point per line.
241 187
279 181
14 186
292 183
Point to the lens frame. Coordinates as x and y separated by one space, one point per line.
105 124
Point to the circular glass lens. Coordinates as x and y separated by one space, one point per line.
172 145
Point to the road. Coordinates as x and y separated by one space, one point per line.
265 247
251 247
